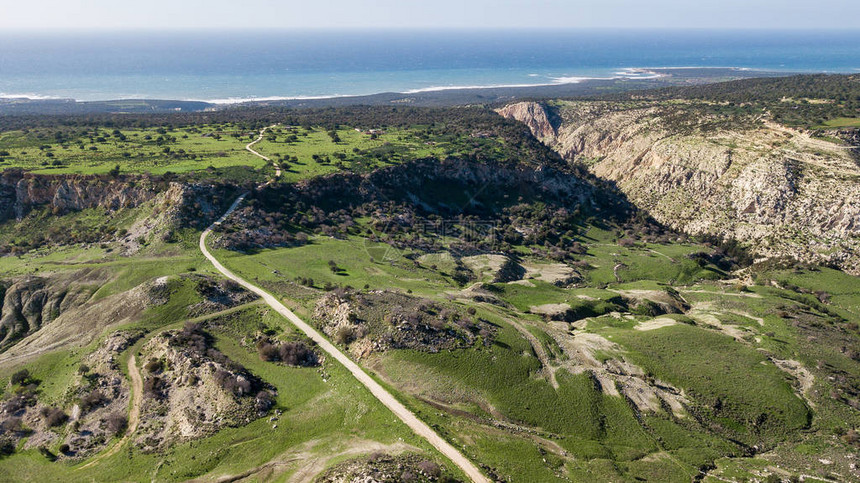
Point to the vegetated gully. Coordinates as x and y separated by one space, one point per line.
419 427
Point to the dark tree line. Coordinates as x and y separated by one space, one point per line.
804 100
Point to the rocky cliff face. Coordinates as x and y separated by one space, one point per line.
778 190
45 312
532 115
162 206
29 303
20 192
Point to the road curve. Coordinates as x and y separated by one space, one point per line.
255 153
385 397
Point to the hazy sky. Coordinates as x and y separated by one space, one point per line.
243 14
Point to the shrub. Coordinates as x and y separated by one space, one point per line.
344 335
54 416
237 385
12 425
461 278
7 447
430 469
297 354
92 400
152 387
264 401
154 366
193 337
773 478
20 377
47 453
19 402
267 351
116 423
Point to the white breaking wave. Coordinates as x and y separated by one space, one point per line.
31 97
634 73
242 100
487 86
556 81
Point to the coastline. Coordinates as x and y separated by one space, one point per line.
632 73
439 96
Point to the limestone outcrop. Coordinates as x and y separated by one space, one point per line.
778 190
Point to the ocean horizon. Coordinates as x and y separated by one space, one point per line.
238 66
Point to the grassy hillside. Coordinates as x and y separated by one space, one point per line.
522 308
718 350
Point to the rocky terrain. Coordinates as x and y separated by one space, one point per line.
90 414
21 191
103 395
533 115
776 189
32 302
217 295
52 310
191 390
381 467
497 201
382 320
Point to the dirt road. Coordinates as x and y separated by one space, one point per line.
386 398
255 153
133 414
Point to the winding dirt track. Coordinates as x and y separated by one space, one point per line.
385 397
133 414
255 153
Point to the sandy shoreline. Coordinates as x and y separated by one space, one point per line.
441 96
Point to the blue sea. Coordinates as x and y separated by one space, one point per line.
236 65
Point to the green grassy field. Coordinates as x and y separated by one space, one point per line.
153 150
363 263
220 148
576 431
305 153
842 122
